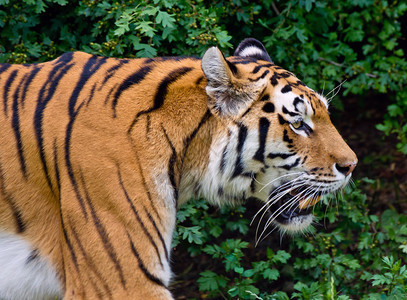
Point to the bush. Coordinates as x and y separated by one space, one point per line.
359 254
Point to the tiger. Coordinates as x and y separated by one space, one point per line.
97 154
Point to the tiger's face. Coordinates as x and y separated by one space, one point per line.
280 147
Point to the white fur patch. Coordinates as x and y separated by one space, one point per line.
297 224
251 51
323 99
24 278
166 195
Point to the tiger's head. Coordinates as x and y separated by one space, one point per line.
278 144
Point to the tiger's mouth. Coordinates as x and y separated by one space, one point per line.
294 207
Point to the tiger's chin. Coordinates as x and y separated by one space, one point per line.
297 224
294 218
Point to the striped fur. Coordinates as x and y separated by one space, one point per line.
97 153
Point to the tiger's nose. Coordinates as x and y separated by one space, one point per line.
346 168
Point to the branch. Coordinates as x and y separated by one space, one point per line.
273 5
342 66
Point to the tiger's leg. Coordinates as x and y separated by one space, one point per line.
116 241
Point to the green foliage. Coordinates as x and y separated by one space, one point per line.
358 254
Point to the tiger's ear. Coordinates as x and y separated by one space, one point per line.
228 94
251 47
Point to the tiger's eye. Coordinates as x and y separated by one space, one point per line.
297 124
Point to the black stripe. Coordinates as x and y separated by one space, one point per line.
62 273
299 82
4 68
280 155
148 125
240 143
253 184
188 140
67 240
33 256
268 107
199 80
232 67
45 95
147 190
158 232
15 122
110 72
91 94
71 250
161 92
290 113
110 93
57 177
257 68
68 163
133 79
90 68
64 58
143 227
171 165
7 88
286 74
286 138
297 101
21 226
92 266
264 125
102 233
261 76
33 73
221 192
246 112
142 267
223 158
287 88
281 120
274 79
289 167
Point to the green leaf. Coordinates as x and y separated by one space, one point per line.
165 19
192 234
149 11
223 38
354 35
210 281
380 280
281 257
271 274
248 273
145 28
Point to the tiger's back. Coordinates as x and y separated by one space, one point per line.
96 154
